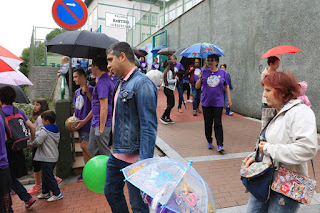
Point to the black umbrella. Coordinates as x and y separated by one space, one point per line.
21 97
143 52
80 44
166 51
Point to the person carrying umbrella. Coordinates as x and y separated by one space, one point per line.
213 82
268 112
16 159
194 72
179 71
169 82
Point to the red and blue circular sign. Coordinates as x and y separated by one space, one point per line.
69 14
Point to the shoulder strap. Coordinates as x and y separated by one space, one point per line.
4 115
15 110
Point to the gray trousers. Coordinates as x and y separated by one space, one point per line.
98 142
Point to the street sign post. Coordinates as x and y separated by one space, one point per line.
69 14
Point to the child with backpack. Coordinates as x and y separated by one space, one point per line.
40 105
47 154
17 124
5 180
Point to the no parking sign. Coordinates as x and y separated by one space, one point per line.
69 14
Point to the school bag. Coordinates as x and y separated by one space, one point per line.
16 130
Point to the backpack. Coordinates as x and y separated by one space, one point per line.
16 130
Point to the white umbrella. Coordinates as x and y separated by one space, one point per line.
155 76
14 78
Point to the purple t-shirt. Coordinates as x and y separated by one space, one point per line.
82 107
3 151
103 89
178 67
156 66
114 79
144 65
213 87
197 71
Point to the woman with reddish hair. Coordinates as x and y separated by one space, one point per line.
290 138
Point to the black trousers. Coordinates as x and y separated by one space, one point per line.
170 102
213 115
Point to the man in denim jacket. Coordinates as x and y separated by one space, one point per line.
134 126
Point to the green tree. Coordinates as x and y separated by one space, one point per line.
24 66
54 33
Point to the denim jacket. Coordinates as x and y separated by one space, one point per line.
135 127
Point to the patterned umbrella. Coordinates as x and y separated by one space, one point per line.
174 185
202 50
8 60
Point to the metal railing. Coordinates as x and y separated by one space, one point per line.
151 18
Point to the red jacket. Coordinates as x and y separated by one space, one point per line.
191 74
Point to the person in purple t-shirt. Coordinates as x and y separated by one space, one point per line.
99 138
82 110
179 71
5 179
113 77
156 65
16 159
144 65
213 82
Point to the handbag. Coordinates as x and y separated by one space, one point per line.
257 178
294 185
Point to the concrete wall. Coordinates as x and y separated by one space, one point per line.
43 79
245 29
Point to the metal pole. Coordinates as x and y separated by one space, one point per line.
164 13
132 25
70 81
150 20
182 6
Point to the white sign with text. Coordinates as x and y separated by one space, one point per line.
120 21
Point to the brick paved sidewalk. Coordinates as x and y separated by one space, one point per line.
220 171
184 141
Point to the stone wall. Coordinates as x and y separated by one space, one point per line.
43 79
245 29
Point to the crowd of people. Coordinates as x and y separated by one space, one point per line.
115 121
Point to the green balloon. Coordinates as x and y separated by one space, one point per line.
94 173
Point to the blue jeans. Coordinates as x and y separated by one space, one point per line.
49 183
277 203
180 91
19 189
113 189
196 93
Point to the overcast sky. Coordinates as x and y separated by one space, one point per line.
17 17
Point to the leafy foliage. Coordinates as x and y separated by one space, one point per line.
54 33
24 66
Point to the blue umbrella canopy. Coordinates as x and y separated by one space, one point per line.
157 49
202 50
